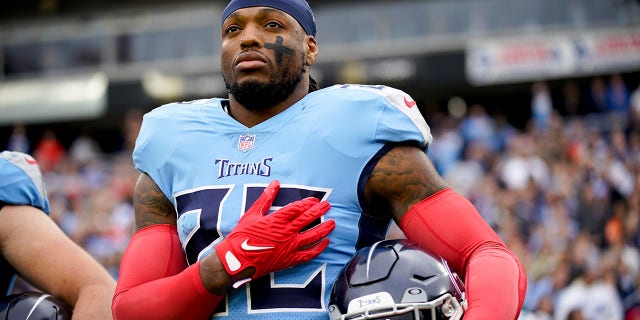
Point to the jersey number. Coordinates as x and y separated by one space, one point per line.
199 219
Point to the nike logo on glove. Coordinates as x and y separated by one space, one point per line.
246 246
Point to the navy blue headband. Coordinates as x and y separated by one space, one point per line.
298 9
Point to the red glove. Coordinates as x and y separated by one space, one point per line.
274 242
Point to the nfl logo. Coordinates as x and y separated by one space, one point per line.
245 143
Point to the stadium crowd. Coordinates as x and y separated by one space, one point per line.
563 192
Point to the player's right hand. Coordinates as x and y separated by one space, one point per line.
274 242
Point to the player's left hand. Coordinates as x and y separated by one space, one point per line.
274 242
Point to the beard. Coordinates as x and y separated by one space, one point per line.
256 95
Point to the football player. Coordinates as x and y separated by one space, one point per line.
213 169
34 247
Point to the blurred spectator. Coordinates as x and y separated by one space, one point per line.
591 212
84 149
597 99
572 103
446 152
543 290
541 105
482 193
521 165
618 99
130 128
622 258
504 130
634 101
575 314
478 126
617 95
591 291
49 152
18 141
616 171
463 174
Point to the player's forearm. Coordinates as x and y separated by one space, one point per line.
155 282
182 296
94 302
473 250
495 284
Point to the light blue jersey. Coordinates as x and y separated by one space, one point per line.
21 183
213 168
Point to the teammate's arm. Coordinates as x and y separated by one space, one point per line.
44 256
429 212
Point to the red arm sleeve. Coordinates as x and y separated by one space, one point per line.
450 226
155 282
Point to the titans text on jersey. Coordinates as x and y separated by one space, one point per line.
227 168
